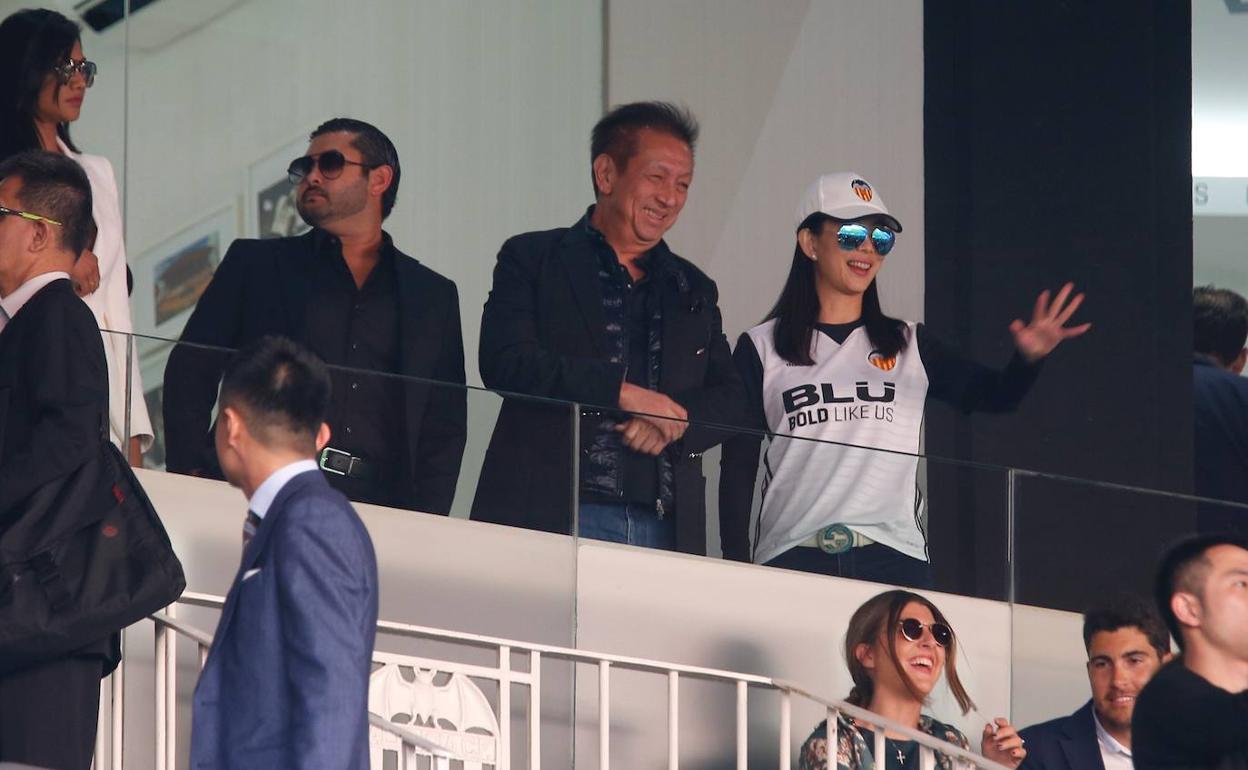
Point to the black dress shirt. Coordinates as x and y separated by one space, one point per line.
356 331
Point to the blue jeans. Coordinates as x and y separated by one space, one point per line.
629 523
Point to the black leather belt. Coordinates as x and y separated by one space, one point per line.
346 464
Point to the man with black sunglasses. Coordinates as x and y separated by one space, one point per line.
369 311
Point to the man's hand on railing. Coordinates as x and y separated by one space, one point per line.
1002 743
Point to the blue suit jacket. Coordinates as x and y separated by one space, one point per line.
286 682
1065 743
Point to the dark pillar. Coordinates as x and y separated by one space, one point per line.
1058 147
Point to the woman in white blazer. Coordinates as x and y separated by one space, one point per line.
46 79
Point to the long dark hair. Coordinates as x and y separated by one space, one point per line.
32 43
797 310
876 621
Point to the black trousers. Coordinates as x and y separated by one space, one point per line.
49 712
874 562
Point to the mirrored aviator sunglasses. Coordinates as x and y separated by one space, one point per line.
65 72
912 629
852 234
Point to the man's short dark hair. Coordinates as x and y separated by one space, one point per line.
281 390
55 187
1219 323
1184 567
1126 611
375 148
616 133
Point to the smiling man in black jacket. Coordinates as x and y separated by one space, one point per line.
605 315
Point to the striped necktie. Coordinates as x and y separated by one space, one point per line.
249 528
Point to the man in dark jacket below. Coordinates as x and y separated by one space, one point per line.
603 314
369 311
53 409
1194 713
1220 403
1126 643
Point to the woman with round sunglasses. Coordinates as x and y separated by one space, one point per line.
840 390
42 92
896 647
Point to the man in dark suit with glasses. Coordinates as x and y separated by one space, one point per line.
53 412
369 311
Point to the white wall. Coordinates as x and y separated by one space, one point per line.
536 587
1219 153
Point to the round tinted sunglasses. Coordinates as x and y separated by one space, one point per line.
65 72
331 163
852 235
912 629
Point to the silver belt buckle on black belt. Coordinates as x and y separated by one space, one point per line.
329 454
835 539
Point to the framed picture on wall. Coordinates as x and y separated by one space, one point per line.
270 199
170 277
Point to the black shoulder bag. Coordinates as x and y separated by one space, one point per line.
86 557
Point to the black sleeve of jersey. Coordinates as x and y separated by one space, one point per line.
738 463
971 386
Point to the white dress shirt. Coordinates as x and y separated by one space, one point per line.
266 493
1113 754
22 294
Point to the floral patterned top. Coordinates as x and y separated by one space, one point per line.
854 753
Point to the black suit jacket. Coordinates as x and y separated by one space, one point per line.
1065 743
53 404
543 333
260 288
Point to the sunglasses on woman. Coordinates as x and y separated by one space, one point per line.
852 235
912 629
8 212
65 72
331 163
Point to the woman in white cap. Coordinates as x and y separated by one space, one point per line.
841 387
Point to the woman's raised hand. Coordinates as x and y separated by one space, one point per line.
1047 328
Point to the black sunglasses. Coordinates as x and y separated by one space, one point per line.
912 629
65 71
331 163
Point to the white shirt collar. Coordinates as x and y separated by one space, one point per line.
1108 742
22 294
266 493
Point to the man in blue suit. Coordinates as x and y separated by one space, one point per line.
286 682
1127 644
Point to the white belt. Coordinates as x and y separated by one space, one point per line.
837 538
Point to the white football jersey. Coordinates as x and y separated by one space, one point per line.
846 443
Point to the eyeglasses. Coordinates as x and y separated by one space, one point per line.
851 236
912 629
330 162
26 215
65 72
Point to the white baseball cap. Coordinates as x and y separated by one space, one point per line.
844 195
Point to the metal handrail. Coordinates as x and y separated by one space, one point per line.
166 719
605 662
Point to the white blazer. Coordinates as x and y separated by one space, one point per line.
111 303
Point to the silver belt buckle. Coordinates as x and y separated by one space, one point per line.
835 539
325 455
